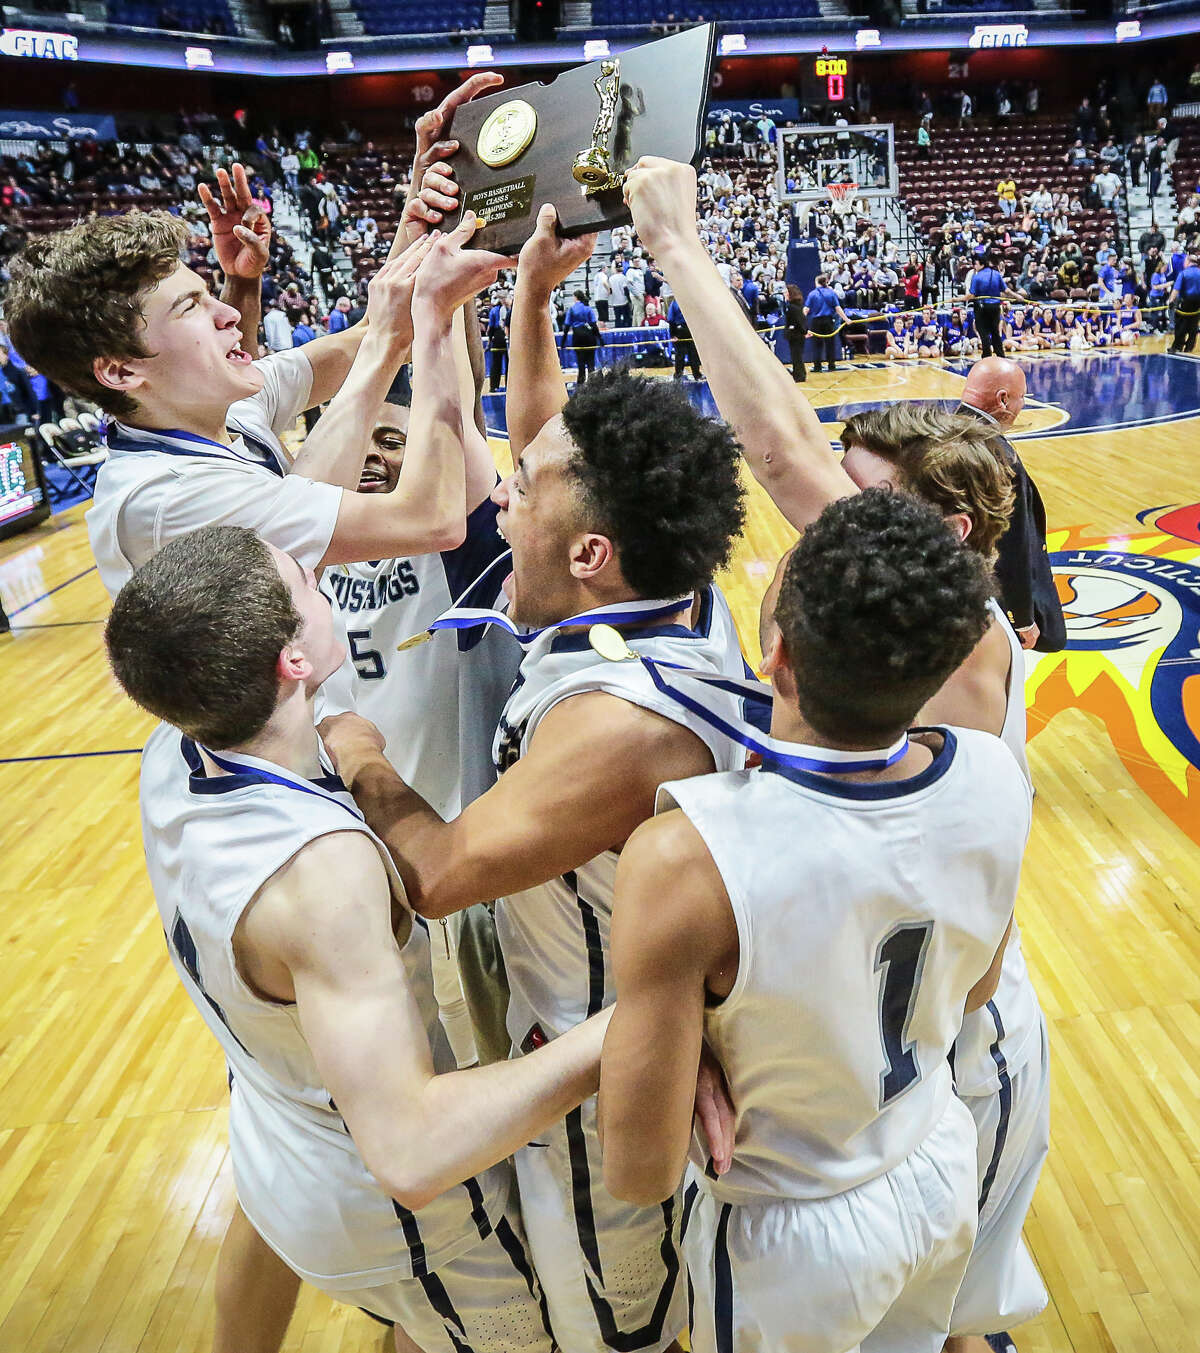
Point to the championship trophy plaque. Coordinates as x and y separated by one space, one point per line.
571 140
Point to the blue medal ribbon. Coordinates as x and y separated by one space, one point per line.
267 773
460 617
695 690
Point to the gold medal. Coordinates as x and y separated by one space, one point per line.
610 644
415 641
506 133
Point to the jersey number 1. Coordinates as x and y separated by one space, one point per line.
902 956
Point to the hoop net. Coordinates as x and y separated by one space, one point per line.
841 197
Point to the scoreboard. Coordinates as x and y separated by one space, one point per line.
826 80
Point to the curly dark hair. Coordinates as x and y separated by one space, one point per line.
658 478
879 604
194 636
77 294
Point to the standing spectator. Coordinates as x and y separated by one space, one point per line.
600 293
582 327
1107 186
987 289
1032 99
635 284
1154 164
681 339
1006 196
1185 296
966 109
796 327
339 315
497 336
924 141
1085 121
290 164
822 311
277 328
912 286
1137 159
619 291
1156 100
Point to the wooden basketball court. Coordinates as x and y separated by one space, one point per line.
115 1185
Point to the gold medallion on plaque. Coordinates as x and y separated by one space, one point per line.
506 133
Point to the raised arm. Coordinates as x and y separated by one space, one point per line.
781 437
334 451
587 780
323 928
672 926
536 390
426 511
241 239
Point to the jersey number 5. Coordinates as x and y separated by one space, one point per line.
368 662
902 956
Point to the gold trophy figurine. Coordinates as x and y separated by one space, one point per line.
593 166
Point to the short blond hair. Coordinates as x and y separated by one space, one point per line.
949 460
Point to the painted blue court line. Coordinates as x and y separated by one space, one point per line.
52 591
69 756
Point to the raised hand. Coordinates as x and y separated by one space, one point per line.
433 145
546 258
661 194
241 233
451 273
390 293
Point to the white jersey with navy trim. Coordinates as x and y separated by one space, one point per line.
554 937
158 484
211 843
865 914
999 1039
426 700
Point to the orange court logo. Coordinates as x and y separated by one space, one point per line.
1132 608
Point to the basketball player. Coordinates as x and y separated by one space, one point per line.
436 706
1002 1058
795 916
621 509
374 1176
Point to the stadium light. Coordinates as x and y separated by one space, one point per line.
195 57
733 42
595 48
335 61
1129 28
480 55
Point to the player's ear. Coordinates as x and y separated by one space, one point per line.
293 665
590 553
115 374
960 524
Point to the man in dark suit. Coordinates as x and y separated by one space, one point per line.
995 394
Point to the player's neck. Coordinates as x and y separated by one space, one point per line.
789 725
155 415
289 739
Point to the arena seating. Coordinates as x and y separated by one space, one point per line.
966 166
419 16
185 16
644 12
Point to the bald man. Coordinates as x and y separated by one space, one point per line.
995 394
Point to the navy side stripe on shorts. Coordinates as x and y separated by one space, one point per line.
723 1284
1005 1107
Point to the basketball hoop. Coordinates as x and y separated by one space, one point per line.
841 197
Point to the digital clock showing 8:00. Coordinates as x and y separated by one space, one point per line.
828 79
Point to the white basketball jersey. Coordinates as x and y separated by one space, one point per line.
865 915
554 937
997 1040
211 843
426 700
